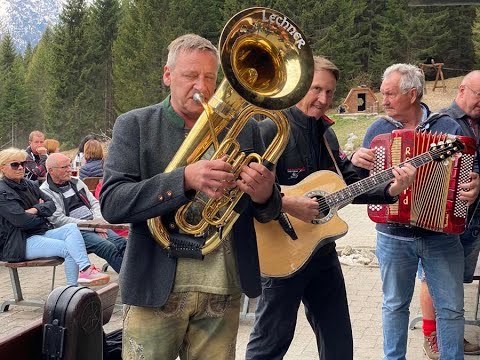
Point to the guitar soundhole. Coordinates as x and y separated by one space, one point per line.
324 210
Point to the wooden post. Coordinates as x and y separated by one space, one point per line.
438 75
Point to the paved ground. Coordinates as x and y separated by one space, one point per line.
363 288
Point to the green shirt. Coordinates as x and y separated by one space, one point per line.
217 273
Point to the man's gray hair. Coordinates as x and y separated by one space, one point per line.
411 77
189 43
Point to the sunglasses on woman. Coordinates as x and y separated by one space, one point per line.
16 164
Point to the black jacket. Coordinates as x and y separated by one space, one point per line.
16 224
35 167
307 153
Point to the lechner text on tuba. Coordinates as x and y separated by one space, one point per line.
268 66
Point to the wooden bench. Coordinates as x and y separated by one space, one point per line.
92 182
26 344
15 280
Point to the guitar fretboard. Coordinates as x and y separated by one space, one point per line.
346 195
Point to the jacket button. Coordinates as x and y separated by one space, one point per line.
160 198
171 225
169 193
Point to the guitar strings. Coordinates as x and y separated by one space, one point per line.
416 161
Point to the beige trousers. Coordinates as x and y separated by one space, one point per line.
194 325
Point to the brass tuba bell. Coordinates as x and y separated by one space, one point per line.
268 66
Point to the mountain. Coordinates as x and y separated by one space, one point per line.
26 20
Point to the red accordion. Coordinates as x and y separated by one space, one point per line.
431 202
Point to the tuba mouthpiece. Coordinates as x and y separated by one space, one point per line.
198 97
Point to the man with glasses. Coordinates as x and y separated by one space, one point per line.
466 110
35 169
76 204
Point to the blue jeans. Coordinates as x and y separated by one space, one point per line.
66 242
470 240
110 249
442 260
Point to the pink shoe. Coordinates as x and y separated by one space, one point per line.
92 277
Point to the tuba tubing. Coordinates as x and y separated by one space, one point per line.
268 66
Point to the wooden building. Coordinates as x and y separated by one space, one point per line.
361 99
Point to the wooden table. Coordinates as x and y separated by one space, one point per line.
101 224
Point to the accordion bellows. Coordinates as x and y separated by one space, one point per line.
431 202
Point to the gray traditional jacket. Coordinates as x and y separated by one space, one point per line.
135 189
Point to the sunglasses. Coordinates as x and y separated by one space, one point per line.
16 164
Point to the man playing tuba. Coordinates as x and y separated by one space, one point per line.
177 305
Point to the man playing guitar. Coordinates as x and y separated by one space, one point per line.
313 146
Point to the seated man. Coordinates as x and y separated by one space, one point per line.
75 204
36 156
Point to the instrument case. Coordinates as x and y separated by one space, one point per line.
72 324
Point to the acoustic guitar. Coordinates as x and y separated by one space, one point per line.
286 245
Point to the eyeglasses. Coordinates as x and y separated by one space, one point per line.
476 93
65 167
16 164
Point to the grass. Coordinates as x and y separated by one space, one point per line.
351 127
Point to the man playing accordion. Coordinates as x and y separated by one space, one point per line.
400 247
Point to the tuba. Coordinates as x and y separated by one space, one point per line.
268 66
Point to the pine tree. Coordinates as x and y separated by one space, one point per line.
457 49
140 52
334 38
38 81
103 30
27 56
68 113
393 45
14 114
476 36
368 15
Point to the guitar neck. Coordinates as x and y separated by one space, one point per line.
347 194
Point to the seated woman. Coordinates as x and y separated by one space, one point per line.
25 232
79 159
93 154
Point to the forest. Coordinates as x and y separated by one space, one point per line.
106 57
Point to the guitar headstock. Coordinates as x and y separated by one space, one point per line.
445 149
